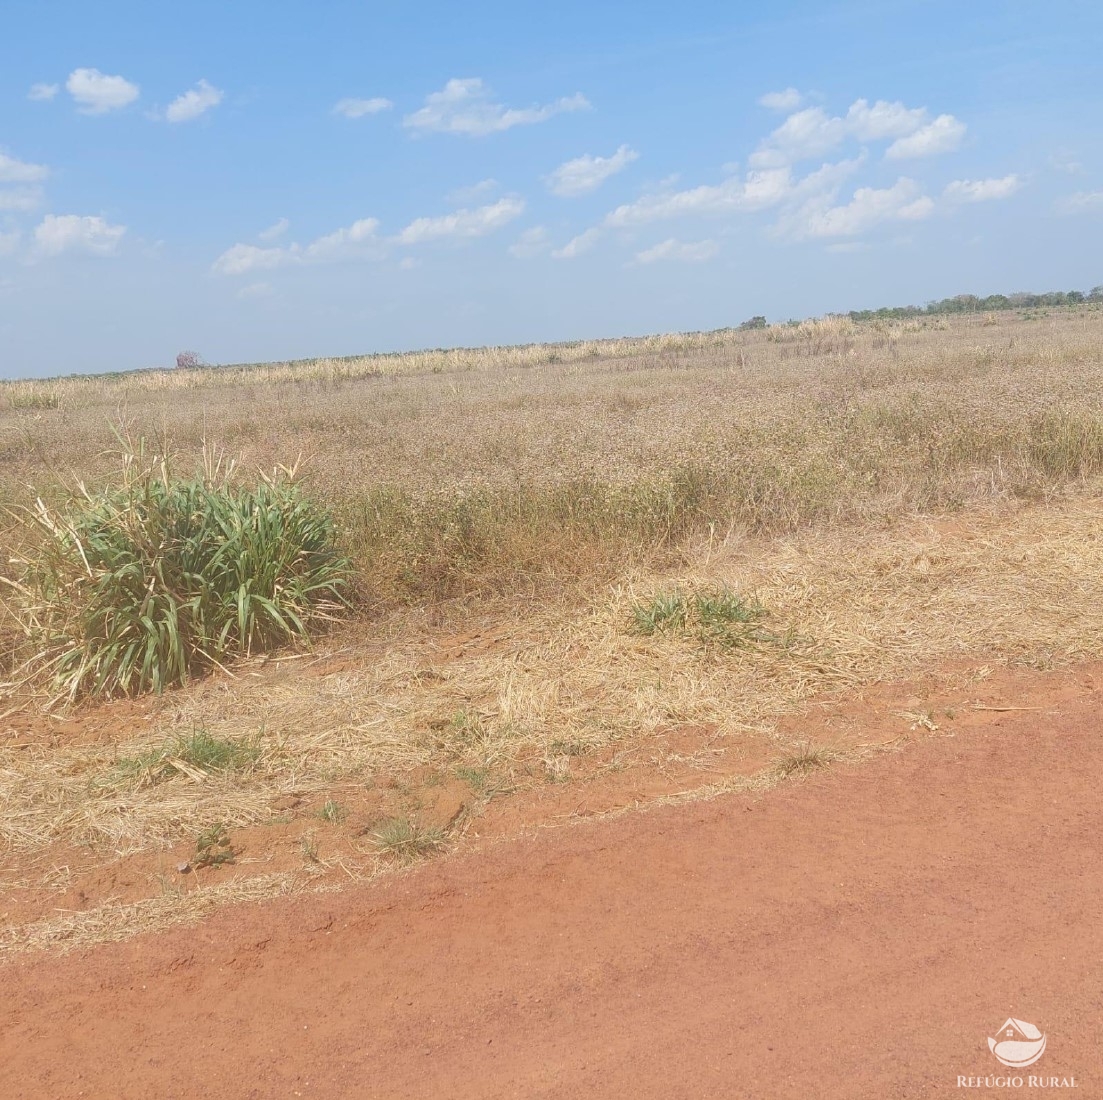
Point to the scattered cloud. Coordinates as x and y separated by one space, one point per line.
463 224
672 249
465 107
758 190
193 103
9 242
256 290
576 246
533 242
944 135
868 208
353 242
586 173
408 263
358 108
1065 160
982 190
813 132
846 247
274 231
19 171
1080 202
359 241
243 258
883 120
58 233
43 92
95 93
20 198
473 193
788 100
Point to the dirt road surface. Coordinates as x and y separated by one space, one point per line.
858 934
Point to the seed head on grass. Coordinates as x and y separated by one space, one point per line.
406 840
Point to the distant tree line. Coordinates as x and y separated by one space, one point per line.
970 303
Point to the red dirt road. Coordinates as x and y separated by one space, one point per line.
860 934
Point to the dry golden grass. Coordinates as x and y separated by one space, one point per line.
897 497
511 467
1021 586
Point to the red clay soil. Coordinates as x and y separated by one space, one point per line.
859 934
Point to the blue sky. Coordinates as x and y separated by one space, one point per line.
259 181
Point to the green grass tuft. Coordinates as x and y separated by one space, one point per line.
198 750
666 611
138 588
406 840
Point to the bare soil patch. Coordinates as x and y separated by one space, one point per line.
857 934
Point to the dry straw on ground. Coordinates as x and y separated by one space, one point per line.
897 497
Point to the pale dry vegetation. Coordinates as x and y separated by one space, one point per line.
558 562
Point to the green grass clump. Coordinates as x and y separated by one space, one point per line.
666 611
333 813
198 750
139 587
406 840
715 618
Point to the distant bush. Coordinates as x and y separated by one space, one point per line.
970 303
139 587
757 321
189 359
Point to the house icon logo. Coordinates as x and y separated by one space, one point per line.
1020 1044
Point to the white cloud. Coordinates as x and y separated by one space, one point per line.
274 231
463 224
20 198
243 258
672 249
808 133
1080 202
193 103
19 171
95 93
42 92
943 135
358 108
473 193
982 190
345 244
465 107
533 242
759 190
788 100
883 120
9 242
358 241
408 263
576 246
813 132
1065 160
868 208
58 233
587 173
256 290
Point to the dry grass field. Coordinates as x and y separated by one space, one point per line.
587 577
